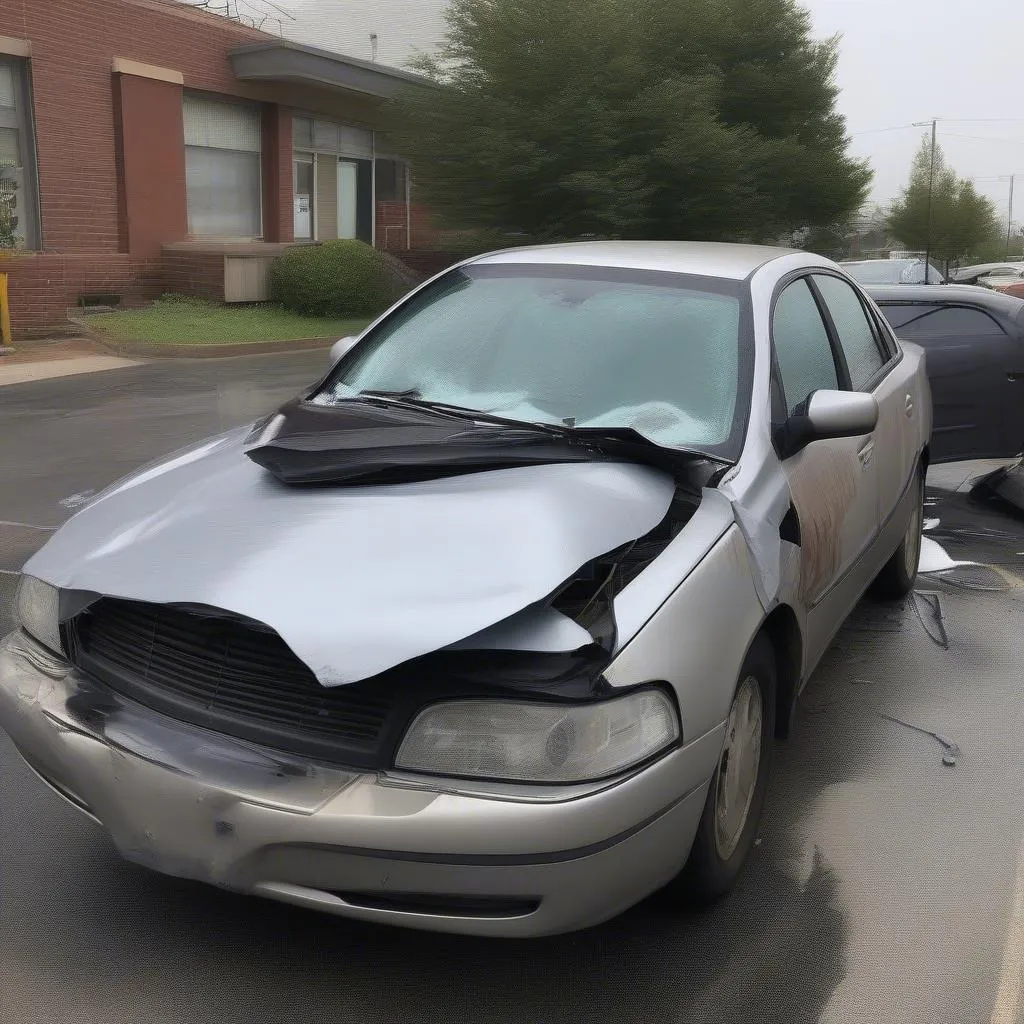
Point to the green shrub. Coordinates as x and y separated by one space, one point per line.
339 278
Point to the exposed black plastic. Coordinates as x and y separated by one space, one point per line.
588 595
389 441
222 673
789 528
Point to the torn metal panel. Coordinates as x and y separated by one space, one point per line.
969 575
1005 484
760 505
355 579
643 595
538 628
382 437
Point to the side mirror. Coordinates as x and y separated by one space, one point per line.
827 415
340 347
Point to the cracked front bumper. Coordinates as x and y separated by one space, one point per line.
503 861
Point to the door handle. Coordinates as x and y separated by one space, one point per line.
865 453
909 405
1015 375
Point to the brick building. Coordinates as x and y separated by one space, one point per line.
151 147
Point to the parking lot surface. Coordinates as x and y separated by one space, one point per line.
886 884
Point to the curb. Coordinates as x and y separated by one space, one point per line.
172 350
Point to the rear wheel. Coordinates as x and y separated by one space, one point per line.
728 825
897 577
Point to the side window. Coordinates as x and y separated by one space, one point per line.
923 323
802 348
856 336
884 333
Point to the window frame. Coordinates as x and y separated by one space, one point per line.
260 155
298 156
889 360
780 412
25 125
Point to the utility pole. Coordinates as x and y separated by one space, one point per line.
1009 217
931 185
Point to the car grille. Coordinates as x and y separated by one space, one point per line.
234 677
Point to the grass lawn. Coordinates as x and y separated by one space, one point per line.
196 322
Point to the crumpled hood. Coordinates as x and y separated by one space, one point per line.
355 579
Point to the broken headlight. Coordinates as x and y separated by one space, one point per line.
527 741
37 607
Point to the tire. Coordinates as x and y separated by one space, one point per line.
724 839
897 577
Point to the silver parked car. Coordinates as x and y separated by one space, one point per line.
890 271
491 631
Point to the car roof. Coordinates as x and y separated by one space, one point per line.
703 259
862 263
983 268
946 294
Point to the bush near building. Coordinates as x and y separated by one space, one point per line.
340 278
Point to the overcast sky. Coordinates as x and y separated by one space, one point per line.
901 61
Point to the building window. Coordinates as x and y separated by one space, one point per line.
391 181
222 168
18 185
340 176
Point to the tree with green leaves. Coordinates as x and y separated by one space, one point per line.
956 222
701 119
9 237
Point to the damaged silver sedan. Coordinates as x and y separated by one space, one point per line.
493 630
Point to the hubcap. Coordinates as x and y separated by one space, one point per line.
738 769
912 542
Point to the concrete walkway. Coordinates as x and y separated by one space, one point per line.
43 360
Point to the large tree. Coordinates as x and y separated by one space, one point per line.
695 119
957 221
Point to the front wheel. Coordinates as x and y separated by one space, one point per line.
728 825
897 577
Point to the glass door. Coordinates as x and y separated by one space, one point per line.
304 191
348 199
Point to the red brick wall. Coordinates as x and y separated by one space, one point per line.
278 214
392 227
95 130
187 273
43 286
151 164
73 47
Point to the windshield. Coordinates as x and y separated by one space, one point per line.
893 272
580 347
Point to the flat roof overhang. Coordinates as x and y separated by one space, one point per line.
285 61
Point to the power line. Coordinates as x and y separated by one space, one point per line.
892 128
983 120
982 138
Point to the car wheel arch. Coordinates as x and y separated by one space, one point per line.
783 631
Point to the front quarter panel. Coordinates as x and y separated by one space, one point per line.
699 637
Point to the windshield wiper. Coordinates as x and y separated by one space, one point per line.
623 437
412 397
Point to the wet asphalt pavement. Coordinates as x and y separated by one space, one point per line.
882 888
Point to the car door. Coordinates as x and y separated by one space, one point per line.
873 366
832 483
973 364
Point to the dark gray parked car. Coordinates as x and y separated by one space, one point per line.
974 344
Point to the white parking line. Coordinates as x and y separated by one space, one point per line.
1008 999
